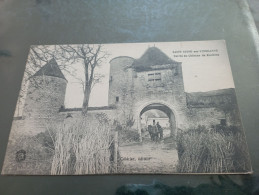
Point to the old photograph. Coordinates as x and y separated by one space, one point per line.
127 108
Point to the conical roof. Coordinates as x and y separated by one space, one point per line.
152 56
51 68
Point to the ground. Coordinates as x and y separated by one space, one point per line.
149 157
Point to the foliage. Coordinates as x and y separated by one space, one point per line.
130 121
216 150
127 134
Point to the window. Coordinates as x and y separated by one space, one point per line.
154 78
117 99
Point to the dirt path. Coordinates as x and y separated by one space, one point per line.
149 157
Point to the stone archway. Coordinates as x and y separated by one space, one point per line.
162 106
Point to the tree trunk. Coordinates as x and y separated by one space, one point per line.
86 89
86 100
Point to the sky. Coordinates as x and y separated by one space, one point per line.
200 73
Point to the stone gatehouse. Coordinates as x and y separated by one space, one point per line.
154 81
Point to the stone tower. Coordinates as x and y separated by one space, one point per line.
121 86
121 79
46 92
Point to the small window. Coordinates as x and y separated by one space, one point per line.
223 122
117 99
154 78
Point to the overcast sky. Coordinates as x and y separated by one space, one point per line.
200 73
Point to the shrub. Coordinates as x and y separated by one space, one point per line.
215 150
127 134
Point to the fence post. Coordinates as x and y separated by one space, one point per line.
115 151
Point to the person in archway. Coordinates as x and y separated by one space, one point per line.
155 131
160 130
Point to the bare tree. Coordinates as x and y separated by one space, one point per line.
67 56
90 56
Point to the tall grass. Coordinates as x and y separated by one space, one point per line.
216 150
82 146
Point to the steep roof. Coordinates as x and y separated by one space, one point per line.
152 56
51 68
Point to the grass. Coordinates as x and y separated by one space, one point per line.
75 146
216 150
82 147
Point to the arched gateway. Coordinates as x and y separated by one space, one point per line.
154 81
162 106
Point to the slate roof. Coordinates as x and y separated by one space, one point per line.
152 56
51 68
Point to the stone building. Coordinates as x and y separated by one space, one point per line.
154 81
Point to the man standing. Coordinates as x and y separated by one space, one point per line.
160 130
155 131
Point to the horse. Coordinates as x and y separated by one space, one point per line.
153 132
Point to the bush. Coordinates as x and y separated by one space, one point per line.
215 150
128 136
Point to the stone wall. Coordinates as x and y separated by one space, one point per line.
169 92
110 113
45 96
204 116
